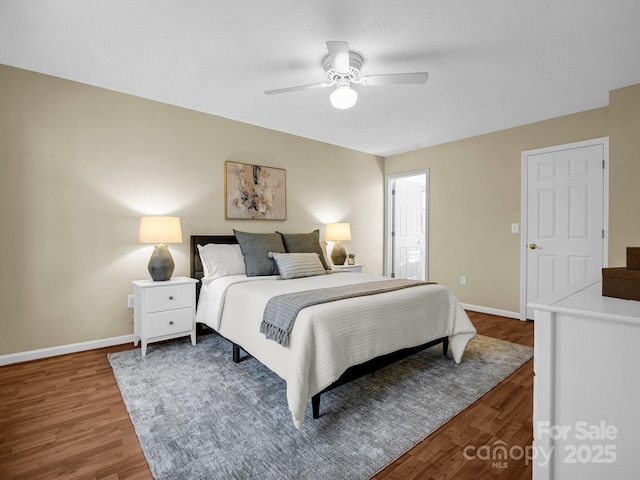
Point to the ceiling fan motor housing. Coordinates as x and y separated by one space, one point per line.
355 65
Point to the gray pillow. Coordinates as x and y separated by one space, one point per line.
255 248
298 265
304 243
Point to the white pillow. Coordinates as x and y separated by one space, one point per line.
297 265
221 260
327 259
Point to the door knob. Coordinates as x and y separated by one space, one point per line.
533 246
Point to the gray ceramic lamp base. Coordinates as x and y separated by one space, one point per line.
338 254
161 264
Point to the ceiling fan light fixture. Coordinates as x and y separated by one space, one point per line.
343 97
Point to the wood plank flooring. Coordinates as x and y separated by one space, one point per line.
505 414
63 417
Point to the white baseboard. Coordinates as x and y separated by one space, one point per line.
63 349
492 311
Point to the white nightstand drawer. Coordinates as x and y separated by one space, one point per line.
169 298
170 322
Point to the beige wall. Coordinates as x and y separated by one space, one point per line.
475 197
624 174
81 164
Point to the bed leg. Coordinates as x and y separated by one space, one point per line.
445 347
236 353
315 406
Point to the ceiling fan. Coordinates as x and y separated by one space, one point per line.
342 67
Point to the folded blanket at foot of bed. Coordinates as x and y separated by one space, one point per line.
281 311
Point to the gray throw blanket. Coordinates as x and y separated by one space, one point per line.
281 311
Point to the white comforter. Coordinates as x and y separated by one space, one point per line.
328 338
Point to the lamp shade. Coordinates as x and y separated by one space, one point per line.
160 230
338 232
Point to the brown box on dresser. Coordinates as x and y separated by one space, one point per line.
621 282
633 258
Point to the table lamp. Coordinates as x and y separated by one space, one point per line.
337 232
160 231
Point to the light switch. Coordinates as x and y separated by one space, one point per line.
515 228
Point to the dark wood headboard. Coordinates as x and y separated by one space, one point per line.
195 265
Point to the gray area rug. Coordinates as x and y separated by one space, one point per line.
200 416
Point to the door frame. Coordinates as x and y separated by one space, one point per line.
388 205
525 207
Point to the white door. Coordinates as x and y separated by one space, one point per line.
565 217
407 226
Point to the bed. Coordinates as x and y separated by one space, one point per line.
330 343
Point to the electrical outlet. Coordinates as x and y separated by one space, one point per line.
129 301
463 280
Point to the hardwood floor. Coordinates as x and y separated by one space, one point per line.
505 414
63 417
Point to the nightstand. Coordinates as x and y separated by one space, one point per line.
164 310
352 268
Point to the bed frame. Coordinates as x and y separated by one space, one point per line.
352 373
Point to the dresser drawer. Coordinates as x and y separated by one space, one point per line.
170 322
169 298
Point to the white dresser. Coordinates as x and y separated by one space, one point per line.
163 310
586 405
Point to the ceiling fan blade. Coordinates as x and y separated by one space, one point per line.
301 87
339 54
395 79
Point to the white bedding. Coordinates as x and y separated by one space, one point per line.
326 339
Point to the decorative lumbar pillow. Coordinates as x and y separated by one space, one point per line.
304 243
221 260
255 248
298 265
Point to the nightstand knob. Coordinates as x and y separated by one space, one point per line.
171 322
171 297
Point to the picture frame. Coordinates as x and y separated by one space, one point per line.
254 192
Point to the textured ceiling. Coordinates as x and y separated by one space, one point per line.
492 64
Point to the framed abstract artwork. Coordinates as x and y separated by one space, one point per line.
254 192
